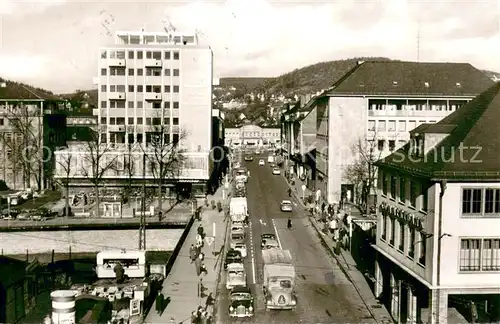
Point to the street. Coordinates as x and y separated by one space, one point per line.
324 293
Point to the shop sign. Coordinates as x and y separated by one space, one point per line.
400 215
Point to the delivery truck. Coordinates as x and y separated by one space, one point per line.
279 279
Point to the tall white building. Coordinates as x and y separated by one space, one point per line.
158 80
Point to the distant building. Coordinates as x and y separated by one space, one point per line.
438 228
252 135
377 104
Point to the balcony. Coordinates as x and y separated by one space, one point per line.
116 62
116 95
152 63
152 96
116 128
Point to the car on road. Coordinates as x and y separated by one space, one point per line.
271 244
236 276
237 227
241 302
261 162
286 206
237 237
248 158
276 171
232 256
242 248
264 237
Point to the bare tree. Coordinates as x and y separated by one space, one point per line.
97 162
129 168
25 143
163 155
362 171
65 166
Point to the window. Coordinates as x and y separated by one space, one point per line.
166 104
104 71
112 121
130 72
175 121
140 88
153 71
392 145
411 241
423 249
470 255
176 89
381 126
157 55
380 145
112 88
130 88
139 120
131 120
167 72
139 104
371 125
104 104
491 255
156 105
175 139
392 125
176 72
166 121
103 88
149 55
140 72
393 187
176 55
103 120
156 121
167 55
402 126
413 194
384 227
120 88
402 190
492 201
131 104
131 55
166 89
384 184
393 231
139 55
117 71
148 121
412 124
402 229
176 105
471 201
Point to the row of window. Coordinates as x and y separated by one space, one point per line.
139 121
141 88
480 254
139 104
150 71
417 105
406 239
138 138
390 125
481 201
139 54
404 191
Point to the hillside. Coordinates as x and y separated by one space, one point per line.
17 90
246 83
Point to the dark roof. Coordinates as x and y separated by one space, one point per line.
469 152
410 78
20 91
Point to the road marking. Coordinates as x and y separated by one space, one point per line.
262 222
252 256
277 236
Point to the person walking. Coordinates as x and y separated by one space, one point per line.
158 304
192 253
197 264
289 223
201 231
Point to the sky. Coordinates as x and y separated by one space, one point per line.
54 44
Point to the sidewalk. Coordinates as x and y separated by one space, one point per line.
182 284
346 262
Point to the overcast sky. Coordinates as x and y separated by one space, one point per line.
54 44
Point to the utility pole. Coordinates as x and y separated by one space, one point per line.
142 228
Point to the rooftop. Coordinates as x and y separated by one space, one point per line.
470 150
412 78
10 90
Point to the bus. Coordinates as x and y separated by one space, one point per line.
133 262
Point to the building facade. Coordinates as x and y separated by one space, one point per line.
157 88
438 238
375 105
252 135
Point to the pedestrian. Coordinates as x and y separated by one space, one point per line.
201 256
158 303
200 230
289 192
194 317
162 303
203 317
192 253
203 269
197 265
160 216
289 223
210 301
473 311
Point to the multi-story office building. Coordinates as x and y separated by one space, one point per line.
438 227
157 87
252 136
377 104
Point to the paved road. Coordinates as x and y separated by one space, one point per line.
324 293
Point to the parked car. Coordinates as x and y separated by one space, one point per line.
276 171
237 237
270 244
241 302
264 237
286 206
236 275
242 248
232 256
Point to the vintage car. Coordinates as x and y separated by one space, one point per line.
241 302
270 244
237 226
232 256
261 163
237 237
276 171
242 248
249 158
236 275
266 236
286 206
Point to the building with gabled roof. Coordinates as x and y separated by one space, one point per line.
373 107
438 217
